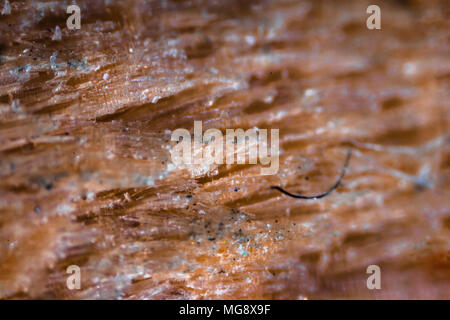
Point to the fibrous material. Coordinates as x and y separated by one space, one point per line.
87 179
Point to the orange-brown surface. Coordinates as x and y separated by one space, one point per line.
86 177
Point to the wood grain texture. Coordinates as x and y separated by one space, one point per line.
86 177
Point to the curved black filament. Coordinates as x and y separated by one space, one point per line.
334 187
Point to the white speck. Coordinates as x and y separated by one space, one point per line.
250 40
15 106
311 92
6 8
131 50
280 115
171 53
201 212
320 131
155 99
268 99
162 175
12 245
109 154
64 209
106 76
82 141
57 36
172 42
149 181
221 291
409 69
53 60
